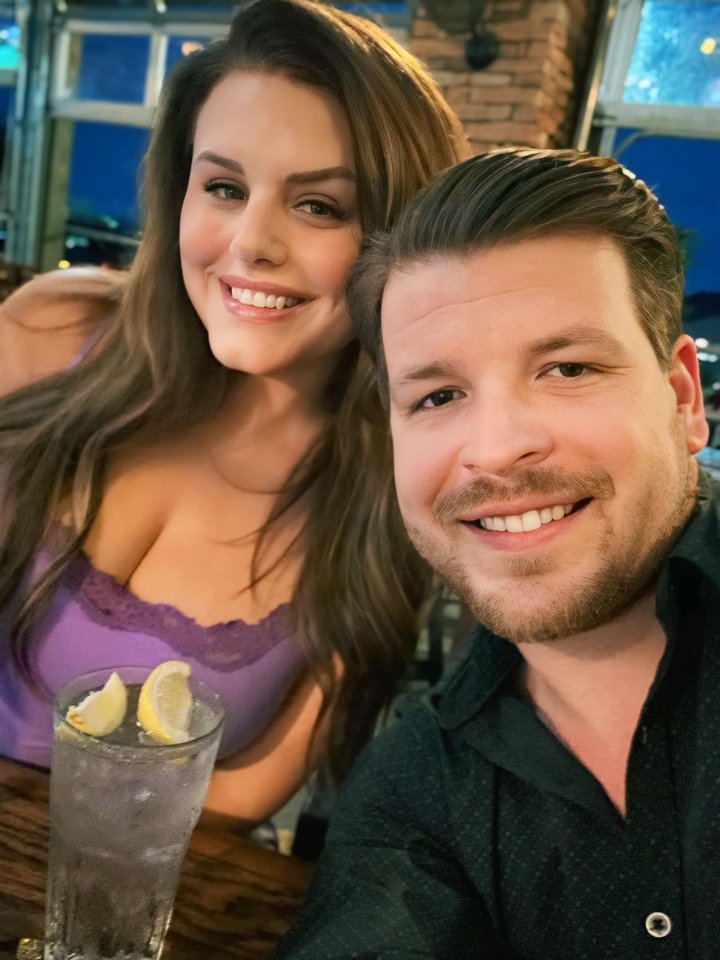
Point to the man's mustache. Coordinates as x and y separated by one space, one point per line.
562 486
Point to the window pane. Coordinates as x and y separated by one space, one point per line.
676 59
110 67
102 195
9 45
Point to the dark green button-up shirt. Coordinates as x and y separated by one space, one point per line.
469 831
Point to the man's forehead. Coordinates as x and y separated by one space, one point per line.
553 266
417 290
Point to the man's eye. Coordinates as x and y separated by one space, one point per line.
568 371
439 398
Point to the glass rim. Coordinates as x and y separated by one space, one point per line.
104 672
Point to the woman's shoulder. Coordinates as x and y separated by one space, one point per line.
48 321
62 296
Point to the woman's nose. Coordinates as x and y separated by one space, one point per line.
257 237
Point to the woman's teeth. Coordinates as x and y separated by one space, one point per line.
525 522
255 298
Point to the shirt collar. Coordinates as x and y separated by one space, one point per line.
699 543
490 661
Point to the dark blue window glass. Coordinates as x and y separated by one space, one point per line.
102 192
7 109
113 67
683 172
676 59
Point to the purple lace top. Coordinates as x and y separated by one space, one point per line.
96 622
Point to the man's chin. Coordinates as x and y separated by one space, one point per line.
513 615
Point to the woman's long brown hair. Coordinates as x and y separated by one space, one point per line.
361 585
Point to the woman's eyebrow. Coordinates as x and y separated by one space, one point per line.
303 176
207 156
328 173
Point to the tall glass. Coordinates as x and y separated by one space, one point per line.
122 809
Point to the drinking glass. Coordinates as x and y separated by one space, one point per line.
122 809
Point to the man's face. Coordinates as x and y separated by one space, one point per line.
542 455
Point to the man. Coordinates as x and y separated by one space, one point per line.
560 797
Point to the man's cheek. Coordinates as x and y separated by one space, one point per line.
415 487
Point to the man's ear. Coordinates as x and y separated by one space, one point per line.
685 380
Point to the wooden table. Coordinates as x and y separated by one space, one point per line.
235 899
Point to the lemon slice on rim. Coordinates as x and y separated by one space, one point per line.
165 703
102 711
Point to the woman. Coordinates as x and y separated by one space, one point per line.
212 481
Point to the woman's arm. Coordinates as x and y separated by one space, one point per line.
256 782
46 322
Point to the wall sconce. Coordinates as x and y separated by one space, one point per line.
461 16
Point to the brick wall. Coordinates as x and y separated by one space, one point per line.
530 94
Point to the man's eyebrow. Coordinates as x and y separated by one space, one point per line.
429 371
304 176
580 335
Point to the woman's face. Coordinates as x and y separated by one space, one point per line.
269 224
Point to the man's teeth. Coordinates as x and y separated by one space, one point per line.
525 522
255 298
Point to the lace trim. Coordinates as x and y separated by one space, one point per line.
222 646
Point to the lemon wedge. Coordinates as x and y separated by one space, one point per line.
165 703
102 711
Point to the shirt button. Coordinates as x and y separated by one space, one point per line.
658 924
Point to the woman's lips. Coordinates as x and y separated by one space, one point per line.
259 306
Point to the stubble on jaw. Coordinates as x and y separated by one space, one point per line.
527 614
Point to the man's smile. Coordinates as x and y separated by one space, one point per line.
526 521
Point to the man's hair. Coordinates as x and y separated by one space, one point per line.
516 194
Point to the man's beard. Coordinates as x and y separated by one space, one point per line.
627 570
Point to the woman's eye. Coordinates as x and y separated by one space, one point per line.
568 371
225 191
325 211
438 398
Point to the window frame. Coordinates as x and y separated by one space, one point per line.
609 111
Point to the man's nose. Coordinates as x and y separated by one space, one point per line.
258 237
504 432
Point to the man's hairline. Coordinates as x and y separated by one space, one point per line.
406 264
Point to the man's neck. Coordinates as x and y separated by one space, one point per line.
590 689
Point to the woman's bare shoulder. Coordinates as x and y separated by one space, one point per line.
47 321
63 297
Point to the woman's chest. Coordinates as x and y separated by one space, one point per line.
177 534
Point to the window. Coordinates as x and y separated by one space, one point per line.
676 59
662 68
